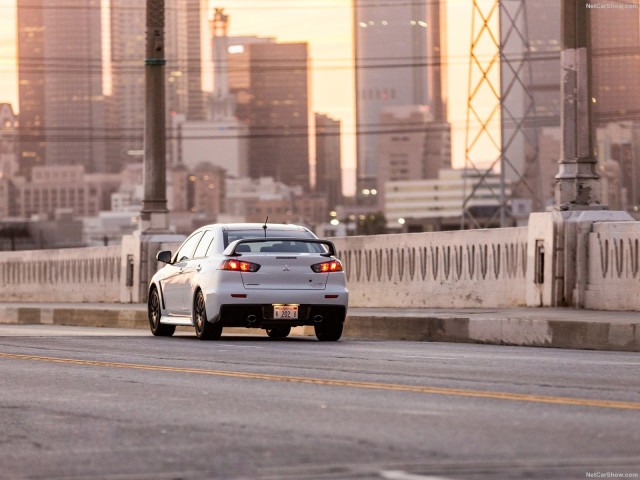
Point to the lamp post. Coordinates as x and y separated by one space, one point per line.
577 182
154 213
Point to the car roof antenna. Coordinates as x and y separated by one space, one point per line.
265 226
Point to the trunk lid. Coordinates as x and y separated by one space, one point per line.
284 271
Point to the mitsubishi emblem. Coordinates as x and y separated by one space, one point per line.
286 269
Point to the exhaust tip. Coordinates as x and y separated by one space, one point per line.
318 319
251 318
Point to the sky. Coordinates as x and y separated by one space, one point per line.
327 26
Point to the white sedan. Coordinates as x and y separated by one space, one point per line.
249 275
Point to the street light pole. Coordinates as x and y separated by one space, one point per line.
558 240
577 182
154 213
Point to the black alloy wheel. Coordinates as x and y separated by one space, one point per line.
278 332
154 313
328 331
204 329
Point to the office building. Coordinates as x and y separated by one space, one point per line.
60 85
68 187
419 152
253 200
183 73
200 190
221 138
328 168
398 51
436 204
8 141
270 82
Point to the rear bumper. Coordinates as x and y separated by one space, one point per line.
232 305
261 315
239 296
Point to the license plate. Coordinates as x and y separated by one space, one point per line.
285 312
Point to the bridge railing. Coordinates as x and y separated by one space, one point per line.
473 268
92 274
614 267
459 269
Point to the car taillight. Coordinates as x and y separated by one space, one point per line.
237 265
332 266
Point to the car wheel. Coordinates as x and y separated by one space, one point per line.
328 331
154 314
204 329
278 332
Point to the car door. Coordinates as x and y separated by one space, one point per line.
174 284
191 267
170 291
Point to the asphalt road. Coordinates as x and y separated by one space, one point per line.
84 403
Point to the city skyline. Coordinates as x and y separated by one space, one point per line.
331 51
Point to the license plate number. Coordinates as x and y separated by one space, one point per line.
286 312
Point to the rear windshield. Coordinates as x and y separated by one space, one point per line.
233 235
277 246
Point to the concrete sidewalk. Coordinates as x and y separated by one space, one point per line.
539 327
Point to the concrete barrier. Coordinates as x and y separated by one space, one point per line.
92 274
584 262
614 267
459 269
558 328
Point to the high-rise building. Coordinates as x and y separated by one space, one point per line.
398 52
543 29
195 11
328 169
60 84
411 154
615 65
270 81
8 141
220 139
183 21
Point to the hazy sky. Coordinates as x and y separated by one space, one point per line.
327 26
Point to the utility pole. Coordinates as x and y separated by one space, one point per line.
577 182
154 214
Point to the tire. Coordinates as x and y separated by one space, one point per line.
154 313
278 332
204 329
328 331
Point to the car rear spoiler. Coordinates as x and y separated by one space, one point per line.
230 251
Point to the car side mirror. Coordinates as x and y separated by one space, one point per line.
164 256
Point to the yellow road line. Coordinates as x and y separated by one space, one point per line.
344 383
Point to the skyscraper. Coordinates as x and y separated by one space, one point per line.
395 64
8 141
271 83
60 84
183 20
328 169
